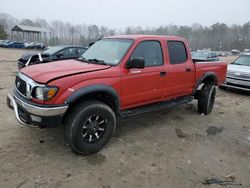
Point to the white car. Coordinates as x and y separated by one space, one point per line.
238 73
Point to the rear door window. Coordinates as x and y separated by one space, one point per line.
69 52
177 52
80 51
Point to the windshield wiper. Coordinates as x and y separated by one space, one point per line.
97 61
82 59
94 60
236 63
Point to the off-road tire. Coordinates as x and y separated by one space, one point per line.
206 99
75 124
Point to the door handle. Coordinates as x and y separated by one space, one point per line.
163 73
135 71
188 69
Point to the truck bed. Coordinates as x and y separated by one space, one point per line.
218 67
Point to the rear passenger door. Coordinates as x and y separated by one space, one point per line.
181 77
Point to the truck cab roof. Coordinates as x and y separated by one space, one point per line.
137 37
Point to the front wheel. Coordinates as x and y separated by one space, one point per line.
89 127
206 99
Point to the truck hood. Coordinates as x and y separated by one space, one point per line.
43 73
238 68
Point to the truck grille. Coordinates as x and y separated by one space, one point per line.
21 86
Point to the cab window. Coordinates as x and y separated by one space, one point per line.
177 52
150 51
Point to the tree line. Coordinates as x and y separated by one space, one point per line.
218 36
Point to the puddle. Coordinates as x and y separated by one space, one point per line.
96 159
213 130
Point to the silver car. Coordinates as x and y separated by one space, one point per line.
238 73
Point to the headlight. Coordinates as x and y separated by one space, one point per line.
45 93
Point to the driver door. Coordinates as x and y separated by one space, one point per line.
144 86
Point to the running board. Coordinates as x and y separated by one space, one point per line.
156 106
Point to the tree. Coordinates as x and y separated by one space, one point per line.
218 36
27 22
185 32
94 33
3 34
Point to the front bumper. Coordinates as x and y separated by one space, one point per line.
237 84
36 115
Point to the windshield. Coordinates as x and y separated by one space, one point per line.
52 50
109 51
243 60
199 55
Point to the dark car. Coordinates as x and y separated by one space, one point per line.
15 44
205 56
51 54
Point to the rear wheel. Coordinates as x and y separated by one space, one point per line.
206 99
89 127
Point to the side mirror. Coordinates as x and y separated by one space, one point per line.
137 63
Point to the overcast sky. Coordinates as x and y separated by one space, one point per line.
121 13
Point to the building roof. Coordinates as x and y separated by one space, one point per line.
33 29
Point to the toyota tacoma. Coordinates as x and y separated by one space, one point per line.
118 76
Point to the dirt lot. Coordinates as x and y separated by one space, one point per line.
175 148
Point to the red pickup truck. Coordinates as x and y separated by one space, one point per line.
118 76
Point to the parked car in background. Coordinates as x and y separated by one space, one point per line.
15 44
205 56
33 45
238 74
28 44
235 52
39 46
4 43
52 54
222 53
225 54
246 50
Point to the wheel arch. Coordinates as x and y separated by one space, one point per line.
207 78
103 93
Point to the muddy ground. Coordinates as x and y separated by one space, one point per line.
176 148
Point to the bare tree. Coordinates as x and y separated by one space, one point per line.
218 36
